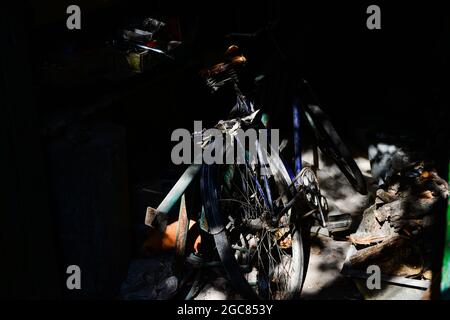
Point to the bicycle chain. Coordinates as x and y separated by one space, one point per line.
308 185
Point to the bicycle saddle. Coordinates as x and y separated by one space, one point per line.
232 59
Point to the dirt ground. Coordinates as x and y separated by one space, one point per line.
152 278
323 279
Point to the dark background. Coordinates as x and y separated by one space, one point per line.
79 140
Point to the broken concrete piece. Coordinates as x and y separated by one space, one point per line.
389 210
368 223
387 196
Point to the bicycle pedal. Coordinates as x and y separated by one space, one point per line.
319 230
339 222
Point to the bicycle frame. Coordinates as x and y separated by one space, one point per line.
174 195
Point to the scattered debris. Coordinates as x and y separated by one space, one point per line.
391 233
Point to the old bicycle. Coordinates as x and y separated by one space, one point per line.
255 225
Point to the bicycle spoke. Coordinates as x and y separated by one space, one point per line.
264 249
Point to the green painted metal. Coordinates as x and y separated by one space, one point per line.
265 119
228 176
178 189
445 281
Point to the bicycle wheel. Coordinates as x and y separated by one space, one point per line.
262 261
332 145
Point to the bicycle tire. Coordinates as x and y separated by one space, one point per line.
211 186
332 145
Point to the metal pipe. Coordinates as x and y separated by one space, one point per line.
178 189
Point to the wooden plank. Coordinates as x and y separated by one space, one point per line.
406 282
385 248
182 232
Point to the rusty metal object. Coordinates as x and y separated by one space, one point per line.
231 50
